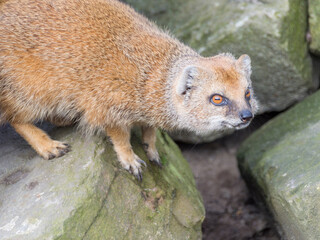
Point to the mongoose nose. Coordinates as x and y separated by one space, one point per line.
245 115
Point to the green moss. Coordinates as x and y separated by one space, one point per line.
293 38
86 194
118 211
280 163
314 26
128 209
87 209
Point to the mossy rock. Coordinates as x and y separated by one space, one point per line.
87 195
272 32
281 164
314 26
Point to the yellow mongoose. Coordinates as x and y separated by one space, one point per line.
102 65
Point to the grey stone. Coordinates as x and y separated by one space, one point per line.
280 163
314 26
87 195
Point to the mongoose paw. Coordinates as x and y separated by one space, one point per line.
138 175
136 171
152 155
54 150
134 167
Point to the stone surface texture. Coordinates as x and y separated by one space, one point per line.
280 162
314 26
87 195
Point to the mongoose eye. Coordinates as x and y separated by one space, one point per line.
248 94
218 100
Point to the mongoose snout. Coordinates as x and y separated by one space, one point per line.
107 68
245 115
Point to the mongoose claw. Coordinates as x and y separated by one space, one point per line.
137 173
57 149
156 162
142 162
133 166
152 155
139 176
51 156
66 145
63 151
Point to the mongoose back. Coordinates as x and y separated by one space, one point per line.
101 65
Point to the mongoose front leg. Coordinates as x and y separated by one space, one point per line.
121 141
149 144
40 141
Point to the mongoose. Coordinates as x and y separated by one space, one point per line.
100 64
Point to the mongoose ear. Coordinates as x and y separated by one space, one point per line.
244 62
186 80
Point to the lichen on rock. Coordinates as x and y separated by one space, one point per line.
280 163
87 195
314 26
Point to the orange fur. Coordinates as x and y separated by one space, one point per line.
40 141
104 66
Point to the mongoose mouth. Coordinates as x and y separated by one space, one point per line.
242 125
238 126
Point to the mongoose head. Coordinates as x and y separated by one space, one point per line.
214 94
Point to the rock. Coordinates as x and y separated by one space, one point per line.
280 163
314 26
273 33
87 195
